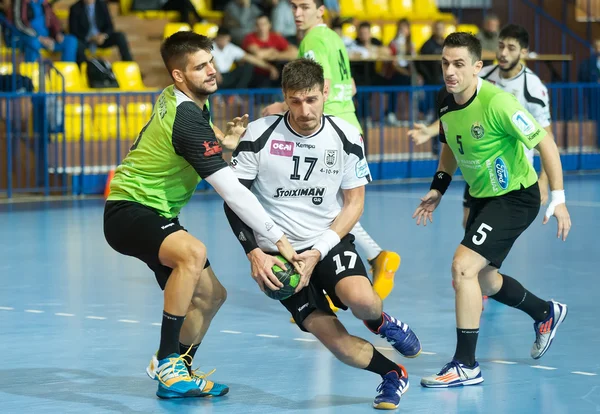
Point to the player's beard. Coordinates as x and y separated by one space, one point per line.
511 66
307 124
202 90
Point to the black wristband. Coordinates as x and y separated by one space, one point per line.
441 181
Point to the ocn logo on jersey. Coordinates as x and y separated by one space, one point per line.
283 148
501 173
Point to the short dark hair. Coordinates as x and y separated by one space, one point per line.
319 3
260 16
514 31
223 31
176 48
463 39
364 24
302 75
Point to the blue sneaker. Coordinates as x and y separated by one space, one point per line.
454 374
207 387
174 380
391 389
397 333
546 329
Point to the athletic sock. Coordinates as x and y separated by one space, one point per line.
169 335
513 294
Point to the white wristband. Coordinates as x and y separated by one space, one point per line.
328 241
557 197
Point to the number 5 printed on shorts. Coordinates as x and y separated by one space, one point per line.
481 231
338 262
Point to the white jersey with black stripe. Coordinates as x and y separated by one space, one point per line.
529 90
297 178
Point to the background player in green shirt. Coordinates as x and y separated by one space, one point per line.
482 128
322 44
173 152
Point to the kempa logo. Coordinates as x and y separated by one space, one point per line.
316 193
307 146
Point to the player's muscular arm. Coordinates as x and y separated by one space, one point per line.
354 203
543 178
447 162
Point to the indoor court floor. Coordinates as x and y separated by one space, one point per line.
79 322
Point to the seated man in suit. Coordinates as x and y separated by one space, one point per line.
91 23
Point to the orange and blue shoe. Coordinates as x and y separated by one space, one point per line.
391 390
206 388
174 380
546 329
399 335
384 268
454 374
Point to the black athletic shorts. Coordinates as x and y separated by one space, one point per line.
467 199
135 230
342 261
495 223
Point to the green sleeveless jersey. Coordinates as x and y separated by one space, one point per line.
326 47
174 150
485 135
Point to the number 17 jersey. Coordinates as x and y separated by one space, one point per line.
485 135
297 178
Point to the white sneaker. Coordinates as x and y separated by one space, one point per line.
454 374
546 329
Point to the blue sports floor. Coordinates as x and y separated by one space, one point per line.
78 322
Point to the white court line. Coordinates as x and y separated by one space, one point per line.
64 314
231 332
156 324
428 353
384 348
6 308
267 336
34 311
589 374
128 321
99 318
499 361
305 339
543 367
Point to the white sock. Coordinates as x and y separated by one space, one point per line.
365 242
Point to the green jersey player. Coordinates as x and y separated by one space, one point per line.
322 44
176 149
482 129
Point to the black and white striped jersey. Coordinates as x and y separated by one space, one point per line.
297 178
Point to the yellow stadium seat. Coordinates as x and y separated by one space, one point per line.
349 30
172 28
376 9
428 10
138 114
206 29
203 8
352 8
83 79
389 33
125 6
31 70
419 34
70 80
401 8
74 115
129 76
6 68
376 32
106 118
450 28
469 28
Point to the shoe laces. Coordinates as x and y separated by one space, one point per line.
453 364
176 367
195 373
389 385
